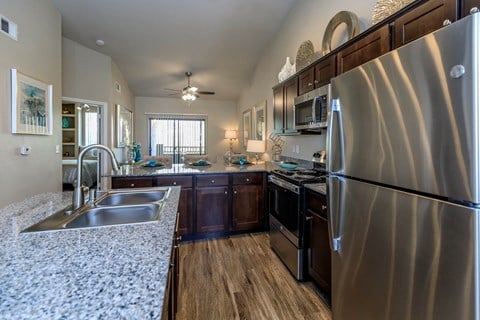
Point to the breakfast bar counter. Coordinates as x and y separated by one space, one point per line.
111 272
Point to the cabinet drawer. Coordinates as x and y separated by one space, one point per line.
317 203
119 183
182 181
212 180
247 178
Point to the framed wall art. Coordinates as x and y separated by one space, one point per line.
259 120
124 126
247 126
31 105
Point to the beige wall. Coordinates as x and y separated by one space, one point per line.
91 75
306 21
37 53
221 116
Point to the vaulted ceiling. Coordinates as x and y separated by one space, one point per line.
154 42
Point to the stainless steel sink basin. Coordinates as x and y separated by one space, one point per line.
104 216
111 208
131 197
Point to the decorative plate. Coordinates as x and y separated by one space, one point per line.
385 8
150 165
288 164
243 163
305 55
200 164
353 28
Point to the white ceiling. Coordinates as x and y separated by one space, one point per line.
154 42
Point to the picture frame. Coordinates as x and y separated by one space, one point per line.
124 126
247 126
31 105
259 120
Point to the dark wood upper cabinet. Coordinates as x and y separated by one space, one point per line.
324 71
306 80
363 50
283 96
423 19
468 5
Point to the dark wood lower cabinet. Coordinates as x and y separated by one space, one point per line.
319 254
211 209
171 291
248 207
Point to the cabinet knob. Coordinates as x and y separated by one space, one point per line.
213 181
174 183
446 22
473 10
316 81
132 184
234 192
226 192
310 84
324 207
309 218
248 180
179 238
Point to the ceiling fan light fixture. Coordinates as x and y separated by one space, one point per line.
189 96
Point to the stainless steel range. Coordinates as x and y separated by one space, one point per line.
287 219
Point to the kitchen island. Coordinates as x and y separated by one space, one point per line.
111 272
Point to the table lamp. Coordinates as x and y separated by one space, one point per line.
256 146
230 134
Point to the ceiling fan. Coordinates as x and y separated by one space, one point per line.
190 93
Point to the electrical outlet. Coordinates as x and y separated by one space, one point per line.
297 148
25 150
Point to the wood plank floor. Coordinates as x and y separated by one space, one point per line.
241 278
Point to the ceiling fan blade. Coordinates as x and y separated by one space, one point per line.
176 90
206 92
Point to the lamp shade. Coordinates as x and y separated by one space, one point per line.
256 146
230 134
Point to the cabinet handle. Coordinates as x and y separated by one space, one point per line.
132 184
310 84
309 218
324 207
446 22
316 81
473 10
179 238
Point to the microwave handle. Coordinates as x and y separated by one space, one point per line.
314 102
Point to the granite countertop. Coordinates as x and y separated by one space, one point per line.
317 187
175 169
111 272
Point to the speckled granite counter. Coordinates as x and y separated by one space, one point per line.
317 187
112 272
175 169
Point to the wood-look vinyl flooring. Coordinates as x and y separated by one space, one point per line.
241 278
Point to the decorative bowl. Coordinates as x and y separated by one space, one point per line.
288 164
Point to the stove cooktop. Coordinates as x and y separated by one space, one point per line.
300 175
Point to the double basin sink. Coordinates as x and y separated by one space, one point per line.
112 208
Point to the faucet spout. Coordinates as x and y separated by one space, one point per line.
78 197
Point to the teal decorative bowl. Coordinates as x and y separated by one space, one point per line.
288 164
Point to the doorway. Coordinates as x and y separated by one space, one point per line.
83 124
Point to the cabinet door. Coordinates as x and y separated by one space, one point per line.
363 50
129 182
324 71
278 109
185 219
468 5
319 256
212 209
306 80
424 19
247 207
291 91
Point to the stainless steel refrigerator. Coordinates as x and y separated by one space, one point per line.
404 187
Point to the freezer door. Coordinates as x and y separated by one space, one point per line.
400 256
410 118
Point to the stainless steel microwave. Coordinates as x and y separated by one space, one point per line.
311 109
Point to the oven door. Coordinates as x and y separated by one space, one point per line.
284 204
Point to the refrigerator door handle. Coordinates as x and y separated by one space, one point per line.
334 212
335 141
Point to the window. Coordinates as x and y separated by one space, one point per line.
177 135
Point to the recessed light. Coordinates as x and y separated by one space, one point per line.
100 43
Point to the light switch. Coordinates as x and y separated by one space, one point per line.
57 148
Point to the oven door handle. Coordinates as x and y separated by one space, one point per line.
284 184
